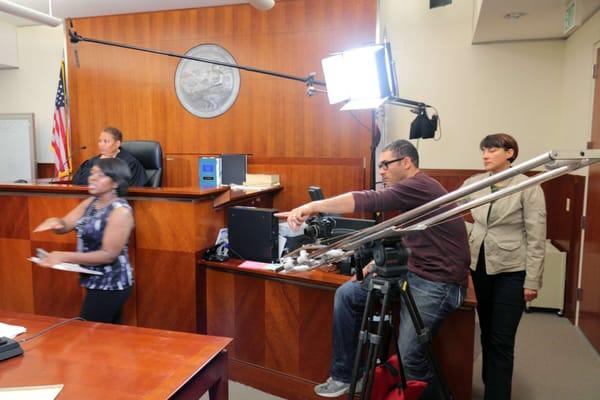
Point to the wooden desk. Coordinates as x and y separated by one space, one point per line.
172 225
282 323
103 361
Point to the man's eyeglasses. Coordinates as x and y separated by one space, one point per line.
384 165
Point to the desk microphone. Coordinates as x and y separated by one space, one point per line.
68 160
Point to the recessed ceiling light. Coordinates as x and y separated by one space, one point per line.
514 15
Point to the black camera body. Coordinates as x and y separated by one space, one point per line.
319 227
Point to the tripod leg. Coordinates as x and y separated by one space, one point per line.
424 336
375 342
362 339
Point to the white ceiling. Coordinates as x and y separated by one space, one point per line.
543 19
89 8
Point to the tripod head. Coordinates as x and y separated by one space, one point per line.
390 257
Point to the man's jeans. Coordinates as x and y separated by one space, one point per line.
434 300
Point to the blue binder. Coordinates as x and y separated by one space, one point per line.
209 172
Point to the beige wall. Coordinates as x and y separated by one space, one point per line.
578 84
32 87
8 46
532 89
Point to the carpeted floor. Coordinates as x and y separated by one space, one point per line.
553 361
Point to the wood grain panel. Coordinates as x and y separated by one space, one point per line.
16 215
282 327
452 353
56 293
271 117
16 290
334 176
220 305
249 319
181 170
451 179
207 222
564 228
166 290
316 324
45 170
176 222
589 311
139 363
42 207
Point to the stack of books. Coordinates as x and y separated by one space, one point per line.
261 180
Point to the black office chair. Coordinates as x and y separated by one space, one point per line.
149 154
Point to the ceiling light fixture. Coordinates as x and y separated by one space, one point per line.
514 16
20 11
262 5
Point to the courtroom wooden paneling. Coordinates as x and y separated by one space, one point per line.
45 170
166 290
172 226
314 337
296 174
56 293
16 290
272 117
333 175
249 316
42 207
281 325
220 304
16 216
564 228
452 353
589 310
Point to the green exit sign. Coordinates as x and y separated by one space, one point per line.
570 20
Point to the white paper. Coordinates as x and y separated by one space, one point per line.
11 331
48 392
67 267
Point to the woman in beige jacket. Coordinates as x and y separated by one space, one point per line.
507 242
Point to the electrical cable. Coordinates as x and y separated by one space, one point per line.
43 331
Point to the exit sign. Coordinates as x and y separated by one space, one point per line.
570 21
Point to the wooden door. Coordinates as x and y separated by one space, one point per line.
589 308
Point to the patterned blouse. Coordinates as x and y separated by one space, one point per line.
90 230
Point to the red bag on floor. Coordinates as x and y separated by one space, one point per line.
387 383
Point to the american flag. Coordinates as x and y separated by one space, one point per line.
60 142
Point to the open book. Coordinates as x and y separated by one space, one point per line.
62 266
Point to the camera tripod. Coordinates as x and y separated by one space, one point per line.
390 281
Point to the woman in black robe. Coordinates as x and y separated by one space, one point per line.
109 144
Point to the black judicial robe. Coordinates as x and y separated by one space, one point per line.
138 174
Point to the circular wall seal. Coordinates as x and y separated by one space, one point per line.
207 90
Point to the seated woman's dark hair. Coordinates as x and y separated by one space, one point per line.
115 133
501 140
117 170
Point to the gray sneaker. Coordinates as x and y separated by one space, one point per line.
333 388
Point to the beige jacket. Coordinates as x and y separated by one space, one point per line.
514 234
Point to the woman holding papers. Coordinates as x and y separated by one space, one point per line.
103 223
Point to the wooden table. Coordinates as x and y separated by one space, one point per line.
104 361
282 324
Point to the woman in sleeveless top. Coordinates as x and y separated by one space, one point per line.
103 224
